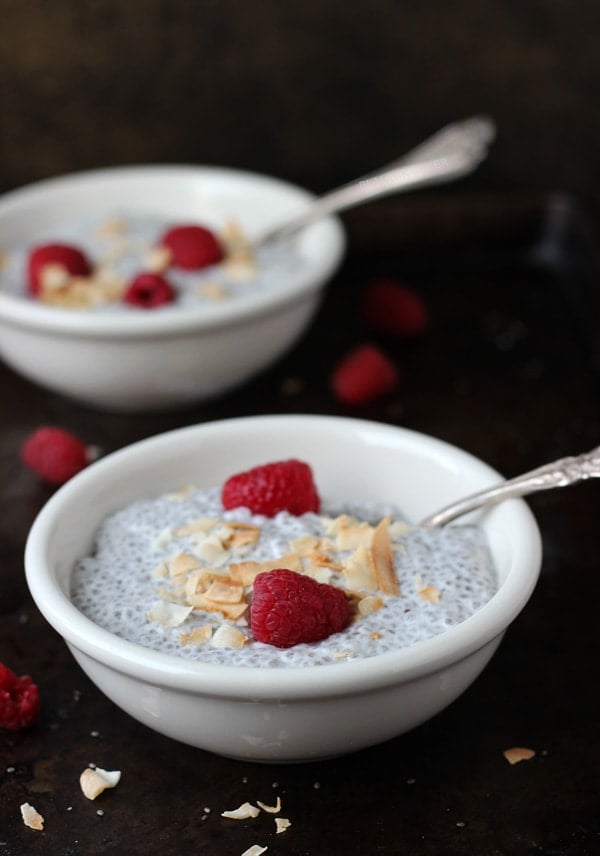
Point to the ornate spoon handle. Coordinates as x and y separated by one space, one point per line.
454 151
561 473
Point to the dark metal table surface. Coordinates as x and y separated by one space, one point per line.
508 370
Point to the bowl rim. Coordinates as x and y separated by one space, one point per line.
243 682
169 320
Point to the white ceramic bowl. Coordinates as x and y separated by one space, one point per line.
283 714
154 359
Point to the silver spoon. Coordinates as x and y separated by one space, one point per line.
561 473
454 151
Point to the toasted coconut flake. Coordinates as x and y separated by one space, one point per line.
320 573
255 850
243 812
170 595
317 559
305 544
109 279
245 572
192 583
234 238
223 533
54 277
197 636
291 561
58 288
210 549
161 570
271 809
351 533
201 524
182 563
112 228
225 592
157 259
359 572
240 268
369 604
178 582
212 290
31 818
169 614
430 594
233 611
281 824
164 537
241 535
94 781
226 636
518 753
399 528
239 253
382 559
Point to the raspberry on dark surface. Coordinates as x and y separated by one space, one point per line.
54 454
289 608
148 291
19 700
363 375
71 258
192 247
392 308
271 488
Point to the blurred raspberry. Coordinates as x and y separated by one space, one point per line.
363 375
192 247
68 257
288 608
149 290
54 454
19 700
270 488
393 309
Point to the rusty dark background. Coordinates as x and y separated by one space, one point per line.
315 92
508 262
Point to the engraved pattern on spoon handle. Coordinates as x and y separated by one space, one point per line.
561 473
472 136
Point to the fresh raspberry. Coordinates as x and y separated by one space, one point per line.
394 309
70 258
192 247
288 608
54 454
363 375
149 290
270 488
19 700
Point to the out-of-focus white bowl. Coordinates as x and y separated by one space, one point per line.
279 714
155 359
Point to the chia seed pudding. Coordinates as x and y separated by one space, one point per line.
155 565
124 245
